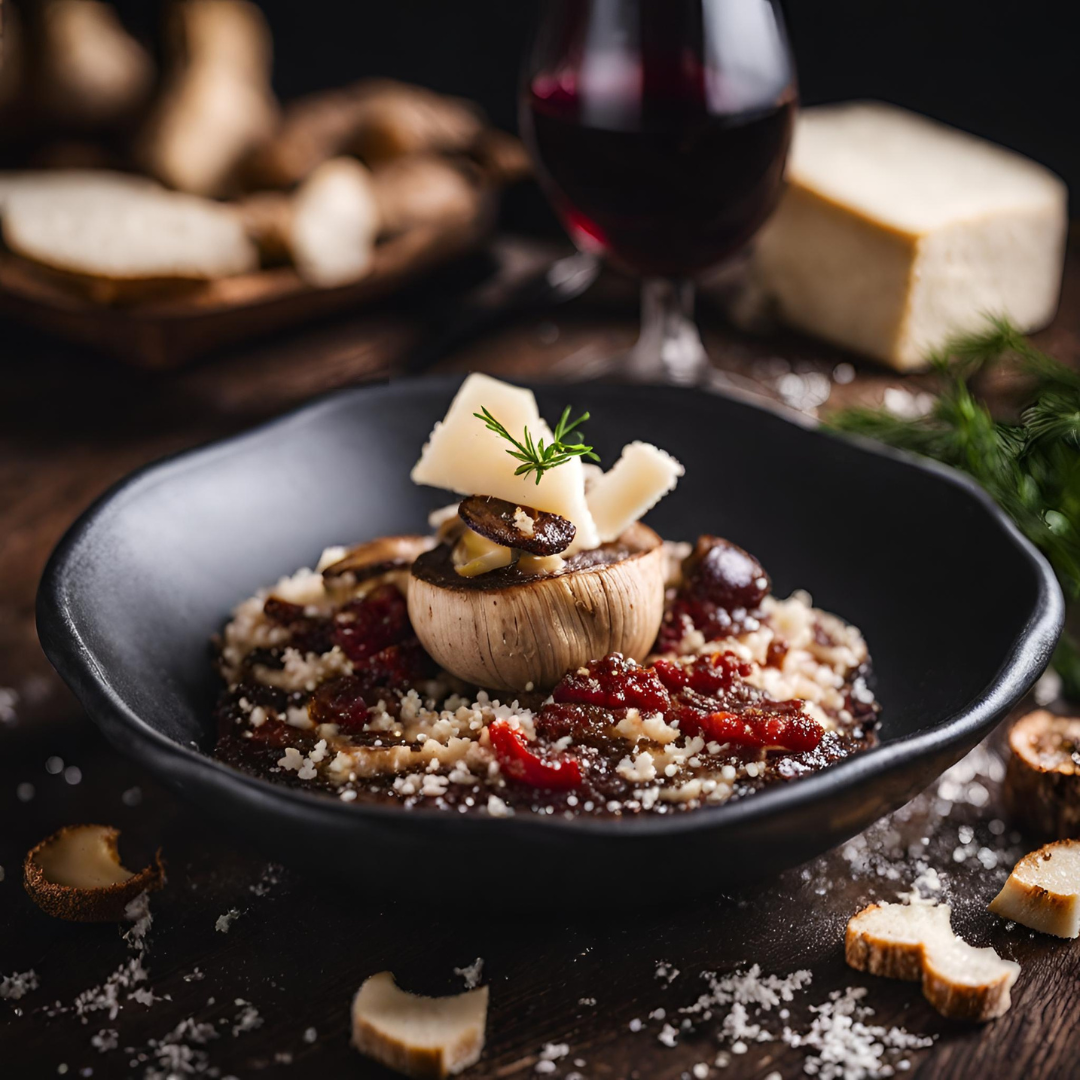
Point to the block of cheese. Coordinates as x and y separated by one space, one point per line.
896 232
641 477
462 455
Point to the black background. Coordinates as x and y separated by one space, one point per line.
1005 70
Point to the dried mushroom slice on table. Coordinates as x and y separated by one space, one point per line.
1043 891
76 874
916 942
422 1037
1042 777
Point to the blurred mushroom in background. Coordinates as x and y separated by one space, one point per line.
90 72
217 102
377 119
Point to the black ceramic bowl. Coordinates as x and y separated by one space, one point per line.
960 613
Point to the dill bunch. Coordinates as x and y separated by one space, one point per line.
1030 466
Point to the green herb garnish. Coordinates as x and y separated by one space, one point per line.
536 457
1030 465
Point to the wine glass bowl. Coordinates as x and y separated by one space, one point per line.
660 129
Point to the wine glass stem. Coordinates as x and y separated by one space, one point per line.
669 347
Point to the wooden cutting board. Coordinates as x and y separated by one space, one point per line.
167 332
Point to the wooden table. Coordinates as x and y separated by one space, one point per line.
72 423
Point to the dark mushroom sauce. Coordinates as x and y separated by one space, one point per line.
437 566
743 691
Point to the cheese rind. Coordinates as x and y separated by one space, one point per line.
896 232
641 477
462 455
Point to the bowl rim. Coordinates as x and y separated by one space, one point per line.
63 644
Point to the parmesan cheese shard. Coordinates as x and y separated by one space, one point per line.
463 456
916 942
896 232
1042 777
418 1036
1043 891
641 477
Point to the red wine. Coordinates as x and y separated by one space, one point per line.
647 171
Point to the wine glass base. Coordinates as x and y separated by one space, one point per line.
668 350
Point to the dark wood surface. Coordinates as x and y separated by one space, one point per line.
71 423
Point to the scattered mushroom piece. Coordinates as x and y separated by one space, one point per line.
916 942
76 874
517 526
484 629
1043 891
380 556
422 1037
1042 778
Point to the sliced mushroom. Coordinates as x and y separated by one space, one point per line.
379 556
516 526
1043 891
421 1037
76 874
509 630
916 942
1042 778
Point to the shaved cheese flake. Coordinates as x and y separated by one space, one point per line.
463 456
641 477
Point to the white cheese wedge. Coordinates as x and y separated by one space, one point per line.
462 455
641 477
896 232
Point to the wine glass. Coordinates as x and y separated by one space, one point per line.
660 129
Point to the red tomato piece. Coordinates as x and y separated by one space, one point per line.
795 733
519 762
614 683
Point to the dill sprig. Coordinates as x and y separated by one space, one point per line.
536 457
1031 466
